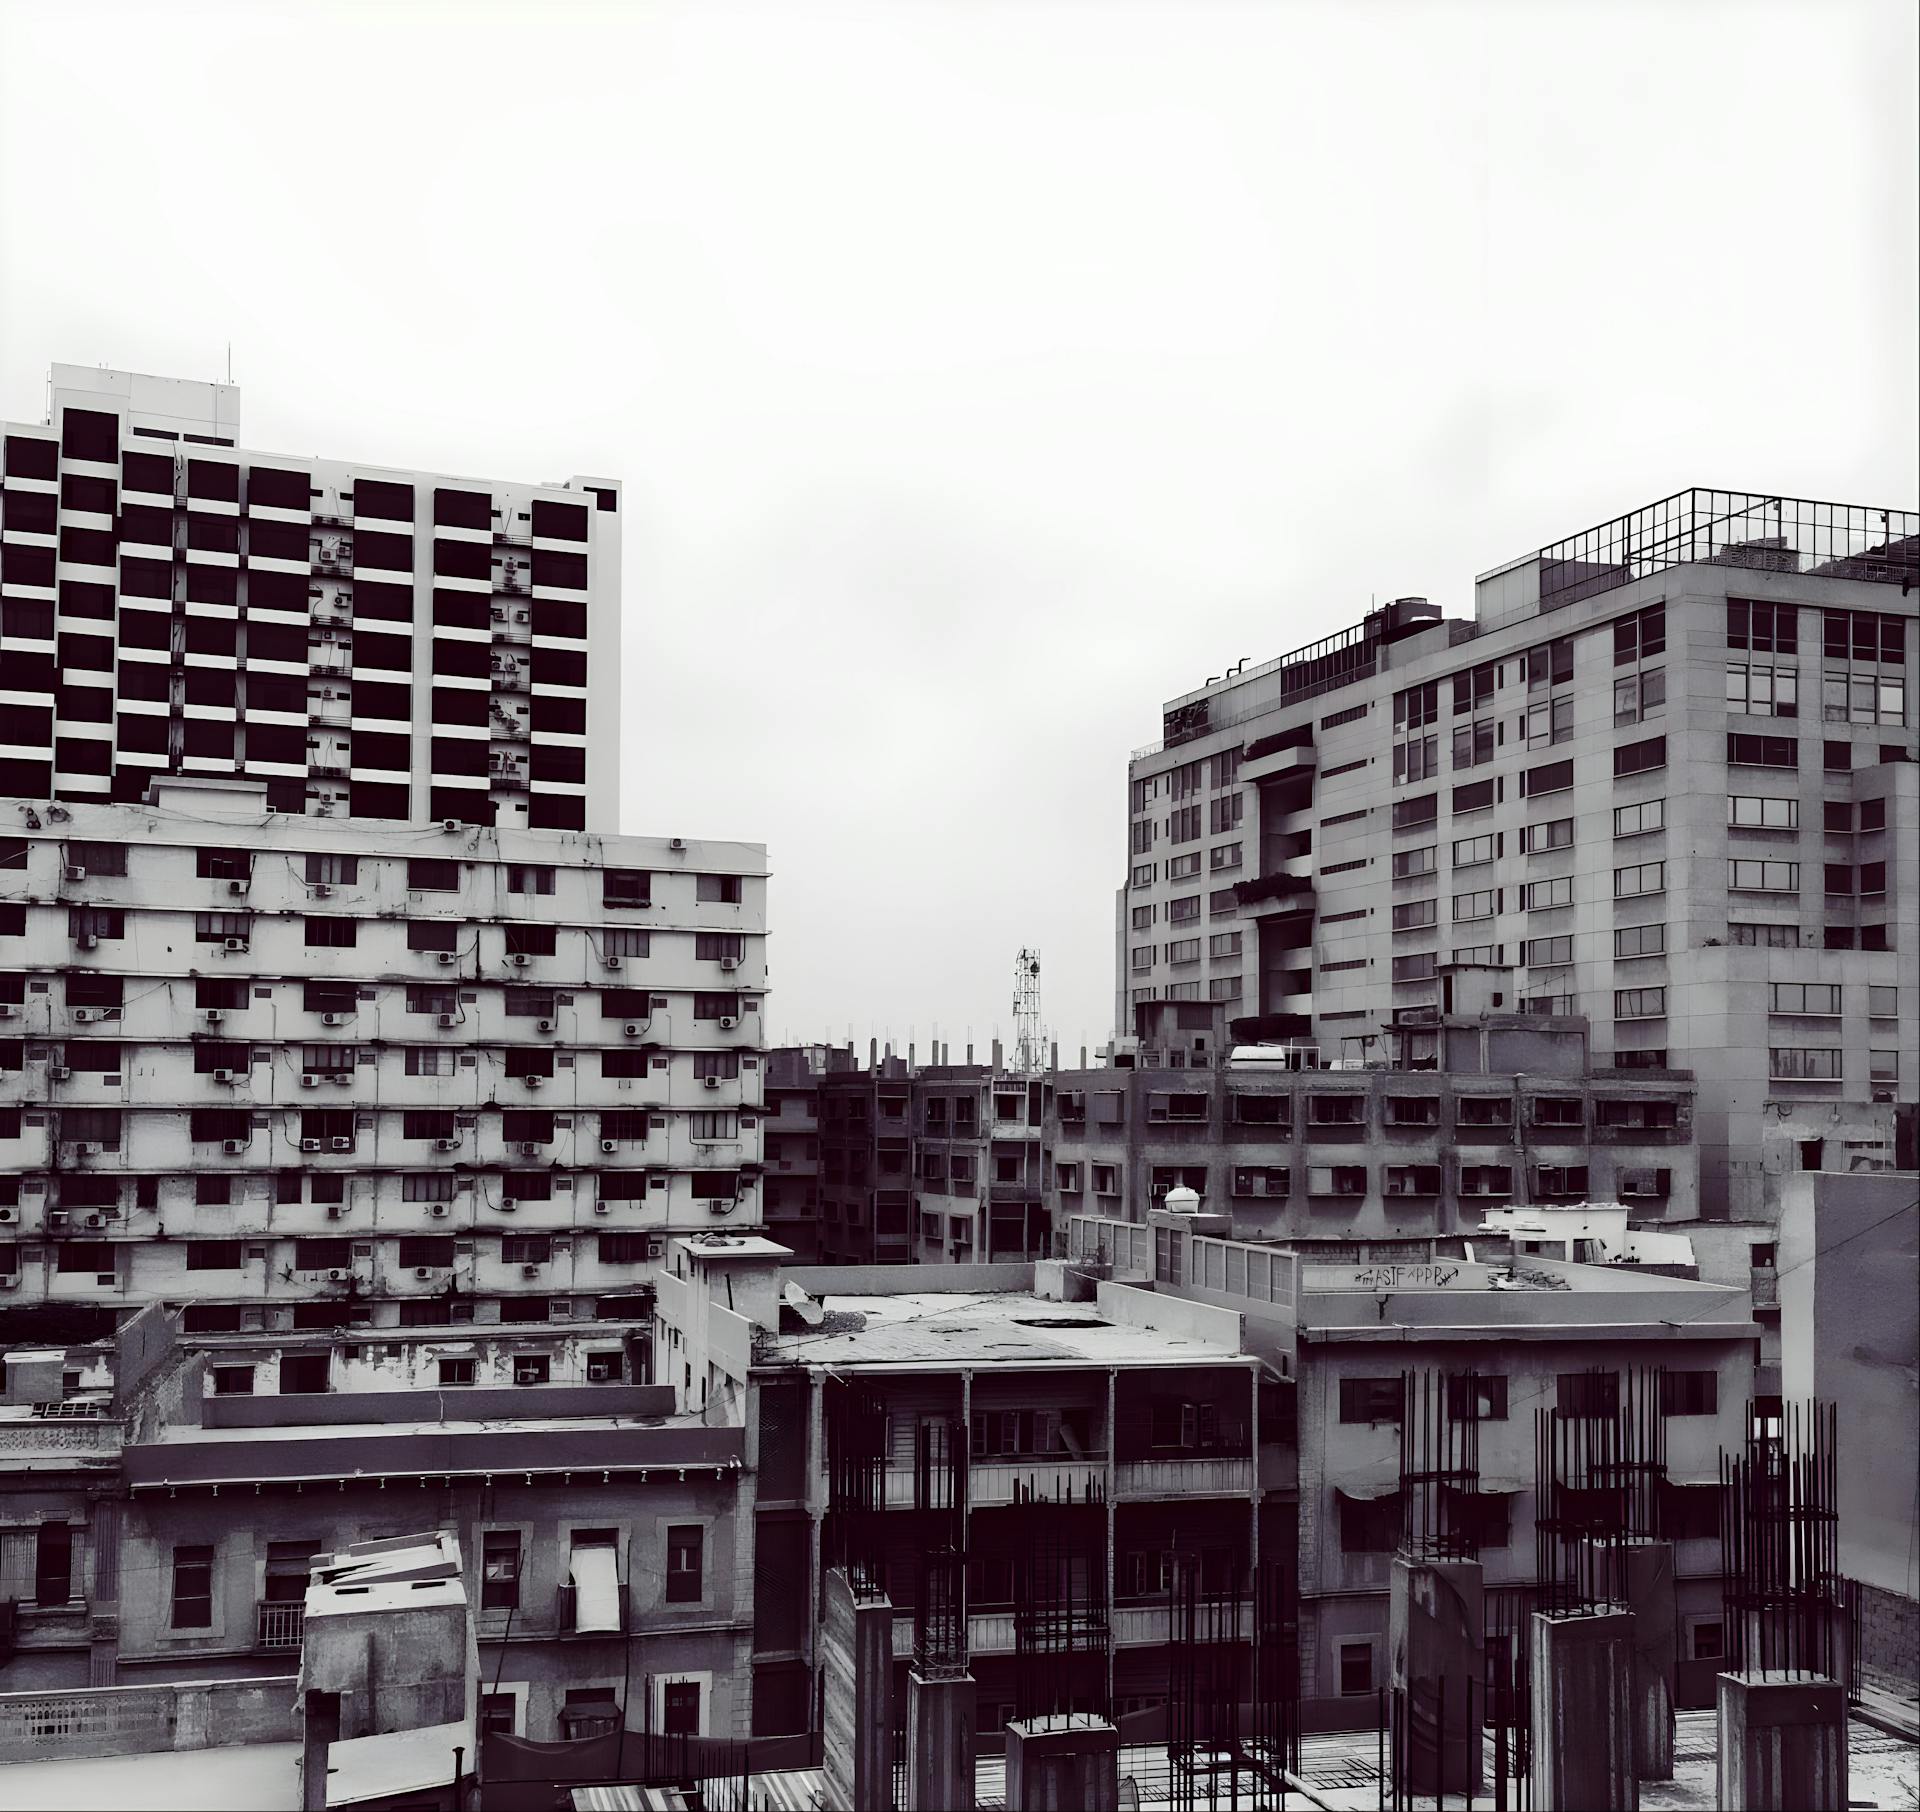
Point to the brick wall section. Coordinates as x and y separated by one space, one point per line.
1889 1633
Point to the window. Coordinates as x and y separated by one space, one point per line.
1550 665
1863 635
1546 952
531 1368
680 1708
1592 1396
1143 918
625 887
233 1380
1224 943
1689 1393
1484 955
1803 1063
1706 1636
716 1006
1639 940
1873 814
1481 905
1883 1003
1642 878
1356 1669
1185 908
1541 896
1537 839
332 933
1372 1526
1418 758
1476 1397
684 1545
1418 968
1225 813
1416 706
1413 915
1473 744
1224 856
1476 796
1762 752
1766 937
332 870
1763 691
1183 868
1548 722
1822 998
1470 852
1755 876
499 1548
1751 812
1546 777
1410 862
1639 757
1883 1066
1412 814
1836 758
192 1588
1639 1003
590 1711
1144 873
1763 628
1372 1399
1637 696
1640 636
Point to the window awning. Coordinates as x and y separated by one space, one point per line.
596 1590
1365 1490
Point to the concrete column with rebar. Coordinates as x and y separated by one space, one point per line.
1582 1681
1783 1743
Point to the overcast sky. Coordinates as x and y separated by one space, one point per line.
984 374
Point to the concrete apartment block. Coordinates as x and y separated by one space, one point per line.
1664 776
368 642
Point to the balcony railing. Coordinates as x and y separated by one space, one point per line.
279 1625
992 1482
1202 1473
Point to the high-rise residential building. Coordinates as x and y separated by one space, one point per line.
293 1075
1663 778
367 642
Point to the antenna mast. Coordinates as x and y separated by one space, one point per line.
1029 1037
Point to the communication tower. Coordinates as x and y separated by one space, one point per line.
1029 1037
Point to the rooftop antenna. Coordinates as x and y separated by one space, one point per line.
1029 1040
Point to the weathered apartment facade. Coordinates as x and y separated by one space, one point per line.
1546 1335
1664 777
362 1074
1460 1112
366 642
791 1144
170 1537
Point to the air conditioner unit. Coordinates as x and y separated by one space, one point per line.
438 1210
236 887
529 1270
84 1016
333 1019
729 962
543 1025
533 1081
215 1016
609 1144
601 1208
717 1207
60 1073
421 1273
449 824
223 1075
728 1022
337 1276
320 890
336 1211
709 1081
529 1148
73 872
340 1144
8 1216
656 1247
8 1010
633 1028
447 1021
446 958
309 1080
519 959
446 1145
613 962
508 1204
677 843
340 1078
234 943
87 941
309 1144
57 1218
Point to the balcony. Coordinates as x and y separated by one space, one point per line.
995 1482
279 1625
1200 1475
1278 764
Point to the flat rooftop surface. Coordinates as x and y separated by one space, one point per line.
1006 1327
255 1777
